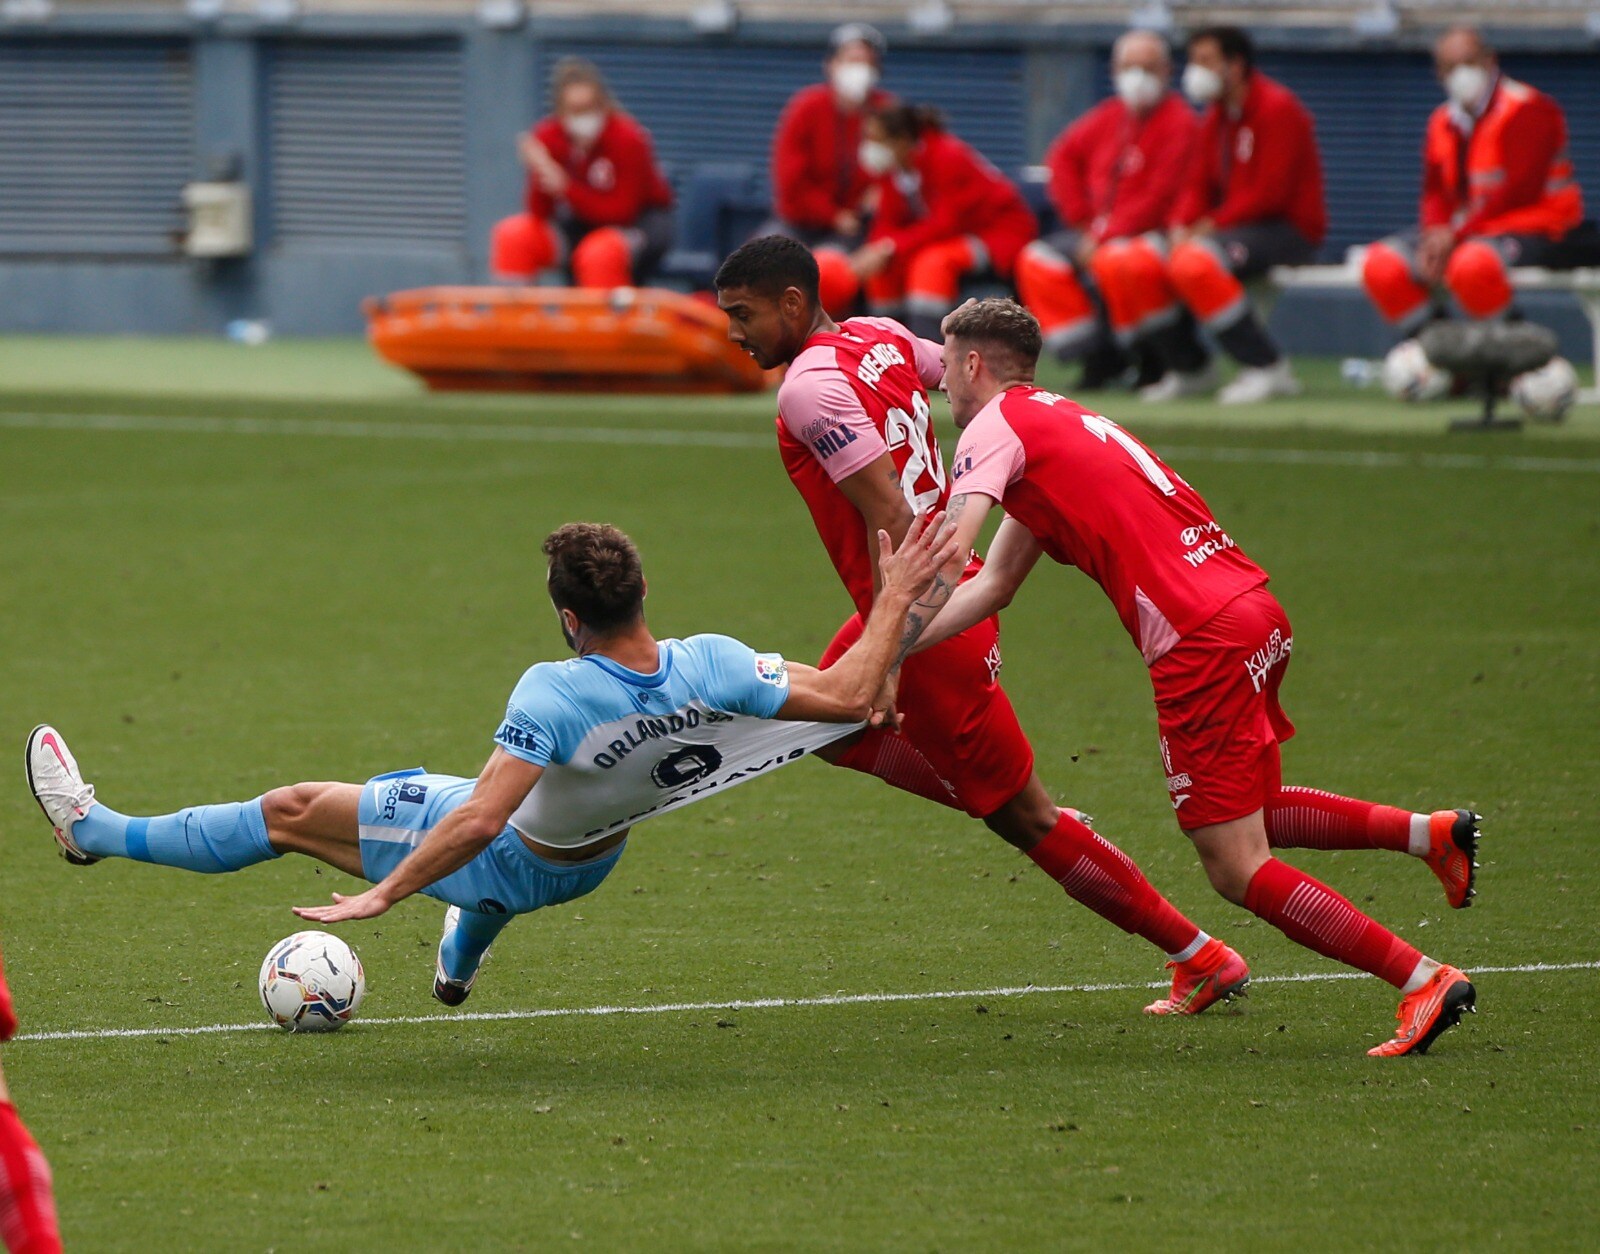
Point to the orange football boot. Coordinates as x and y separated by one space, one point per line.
1431 1010
1214 974
1453 854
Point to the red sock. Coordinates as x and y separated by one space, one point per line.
899 763
1308 818
27 1204
1097 874
1313 915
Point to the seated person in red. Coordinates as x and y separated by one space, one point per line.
1251 199
598 204
817 181
1114 175
943 212
1497 191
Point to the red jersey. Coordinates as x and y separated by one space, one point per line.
952 191
1096 498
847 399
1255 165
815 171
613 181
1116 174
1505 172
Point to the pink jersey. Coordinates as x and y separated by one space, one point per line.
849 398
1096 498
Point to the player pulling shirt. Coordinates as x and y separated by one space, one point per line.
849 398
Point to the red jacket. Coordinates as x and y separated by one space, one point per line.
613 183
1258 165
1114 174
815 173
1518 176
952 191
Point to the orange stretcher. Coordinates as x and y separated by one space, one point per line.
569 339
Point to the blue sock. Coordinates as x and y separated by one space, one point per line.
464 948
210 839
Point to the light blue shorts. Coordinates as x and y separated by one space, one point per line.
399 809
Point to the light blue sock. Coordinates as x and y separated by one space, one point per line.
463 950
209 839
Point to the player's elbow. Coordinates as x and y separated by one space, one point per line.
479 827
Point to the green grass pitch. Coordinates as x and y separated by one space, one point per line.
207 608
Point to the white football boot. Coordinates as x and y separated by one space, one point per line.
1176 384
58 787
453 992
1261 383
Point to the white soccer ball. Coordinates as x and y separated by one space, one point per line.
1548 392
312 982
1408 375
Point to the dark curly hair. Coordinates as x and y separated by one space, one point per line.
595 572
768 266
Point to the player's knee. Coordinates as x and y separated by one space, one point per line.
1026 819
286 809
1229 865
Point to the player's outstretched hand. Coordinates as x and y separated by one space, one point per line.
927 549
367 905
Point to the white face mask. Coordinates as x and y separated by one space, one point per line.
853 81
1201 84
583 128
1138 88
1466 84
876 157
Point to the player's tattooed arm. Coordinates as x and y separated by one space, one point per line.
460 837
845 691
951 606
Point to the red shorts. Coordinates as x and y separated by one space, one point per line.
955 713
1218 713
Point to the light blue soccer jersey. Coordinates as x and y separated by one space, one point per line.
619 747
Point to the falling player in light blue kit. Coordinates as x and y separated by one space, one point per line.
629 729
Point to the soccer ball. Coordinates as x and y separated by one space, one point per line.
1408 375
1548 392
312 982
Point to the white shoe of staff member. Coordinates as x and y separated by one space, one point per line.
1179 383
1260 383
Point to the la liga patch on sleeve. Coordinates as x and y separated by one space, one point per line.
772 669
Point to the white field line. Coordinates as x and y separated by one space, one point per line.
758 1003
513 433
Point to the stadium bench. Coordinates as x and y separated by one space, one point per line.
1583 284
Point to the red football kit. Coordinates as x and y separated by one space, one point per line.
849 398
1197 608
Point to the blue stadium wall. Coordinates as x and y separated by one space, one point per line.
380 150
